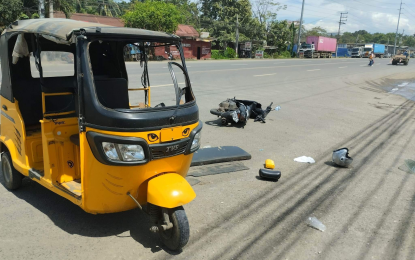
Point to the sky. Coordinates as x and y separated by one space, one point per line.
370 15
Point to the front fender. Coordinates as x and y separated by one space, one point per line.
169 190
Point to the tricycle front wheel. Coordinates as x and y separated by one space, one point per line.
176 237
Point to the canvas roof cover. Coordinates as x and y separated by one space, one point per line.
62 29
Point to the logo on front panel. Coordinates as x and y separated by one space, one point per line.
172 148
186 132
152 137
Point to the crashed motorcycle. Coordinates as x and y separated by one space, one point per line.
239 111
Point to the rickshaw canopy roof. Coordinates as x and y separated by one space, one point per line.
63 29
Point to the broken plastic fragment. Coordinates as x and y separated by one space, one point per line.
278 108
315 223
304 159
408 167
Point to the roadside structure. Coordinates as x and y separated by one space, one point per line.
195 45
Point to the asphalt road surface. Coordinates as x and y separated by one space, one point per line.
326 104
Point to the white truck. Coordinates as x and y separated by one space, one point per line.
357 52
367 50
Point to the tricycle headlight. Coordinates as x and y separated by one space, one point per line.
196 141
110 151
131 152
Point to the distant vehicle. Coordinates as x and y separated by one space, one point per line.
357 52
131 52
319 47
367 50
401 57
377 49
387 55
306 47
68 57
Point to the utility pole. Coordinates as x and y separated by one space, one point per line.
299 29
237 35
397 28
342 21
388 45
42 8
50 9
401 39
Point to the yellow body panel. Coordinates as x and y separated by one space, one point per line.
73 171
105 187
169 191
13 135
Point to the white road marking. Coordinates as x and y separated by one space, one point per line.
173 67
279 62
342 67
264 75
257 68
239 64
166 85
314 70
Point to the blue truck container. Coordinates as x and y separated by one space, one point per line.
379 50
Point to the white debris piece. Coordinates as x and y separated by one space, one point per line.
304 159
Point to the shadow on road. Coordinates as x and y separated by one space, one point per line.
285 230
73 220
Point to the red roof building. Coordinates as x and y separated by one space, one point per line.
194 47
113 21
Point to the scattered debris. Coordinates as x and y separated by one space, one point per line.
277 108
207 146
239 111
315 223
216 169
261 150
341 157
269 164
218 155
408 166
269 174
304 159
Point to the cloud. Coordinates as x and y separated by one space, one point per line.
362 15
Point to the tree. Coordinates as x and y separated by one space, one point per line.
279 35
153 15
409 40
316 31
10 11
266 11
219 17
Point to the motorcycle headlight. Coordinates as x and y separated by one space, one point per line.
125 152
196 141
110 151
131 152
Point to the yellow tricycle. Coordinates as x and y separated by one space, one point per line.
69 122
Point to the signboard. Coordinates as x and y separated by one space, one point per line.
204 35
248 46
205 50
187 45
259 54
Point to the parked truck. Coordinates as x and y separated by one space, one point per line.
377 49
357 52
320 47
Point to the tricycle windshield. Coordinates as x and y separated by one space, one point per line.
135 75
